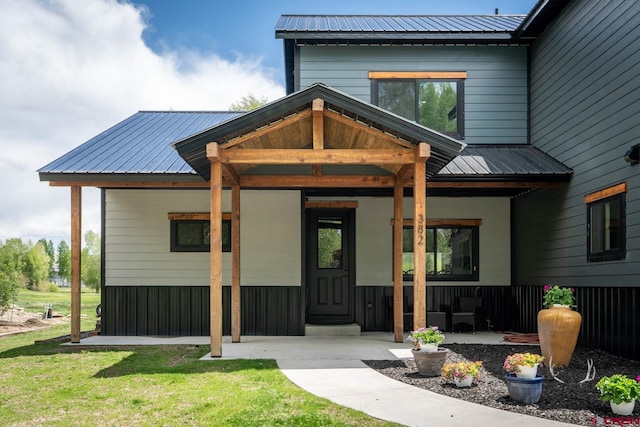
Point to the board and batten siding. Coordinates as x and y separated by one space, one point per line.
585 104
374 236
495 88
137 240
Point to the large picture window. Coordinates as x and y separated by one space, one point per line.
606 228
452 253
194 236
437 103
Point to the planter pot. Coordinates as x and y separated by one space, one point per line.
429 348
558 329
624 408
524 390
430 364
464 382
527 371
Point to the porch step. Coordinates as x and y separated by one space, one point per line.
331 330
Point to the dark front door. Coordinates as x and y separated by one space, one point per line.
330 266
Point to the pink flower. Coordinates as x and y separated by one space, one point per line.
571 289
546 288
638 378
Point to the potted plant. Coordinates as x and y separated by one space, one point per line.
426 339
463 374
523 365
558 325
429 359
620 391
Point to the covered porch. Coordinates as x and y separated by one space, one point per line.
317 138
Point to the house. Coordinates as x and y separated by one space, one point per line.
415 161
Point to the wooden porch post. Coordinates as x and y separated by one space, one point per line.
215 268
419 236
398 288
76 240
235 264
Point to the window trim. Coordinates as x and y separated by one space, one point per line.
617 192
196 217
436 76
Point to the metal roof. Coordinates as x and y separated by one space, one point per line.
140 144
505 161
395 27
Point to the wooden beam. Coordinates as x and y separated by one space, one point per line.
235 264
398 286
493 184
130 184
361 126
76 261
325 181
330 204
607 192
419 245
205 184
317 131
438 222
417 74
195 216
328 157
306 114
215 267
404 175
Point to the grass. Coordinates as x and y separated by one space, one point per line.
46 383
35 302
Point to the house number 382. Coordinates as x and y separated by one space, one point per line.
420 230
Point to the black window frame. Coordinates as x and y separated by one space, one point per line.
460 111
475 256
614 254
202 246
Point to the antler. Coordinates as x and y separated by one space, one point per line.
591 372
553 374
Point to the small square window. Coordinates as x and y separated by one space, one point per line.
606 220
194 236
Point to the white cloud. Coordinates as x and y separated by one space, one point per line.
72 68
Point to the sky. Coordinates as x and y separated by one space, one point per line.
71 69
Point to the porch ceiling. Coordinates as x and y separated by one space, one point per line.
341 123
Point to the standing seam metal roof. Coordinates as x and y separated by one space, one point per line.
140 144
291 26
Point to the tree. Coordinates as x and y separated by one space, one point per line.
64 261
48 246
36 265
248 102
91 260
12 254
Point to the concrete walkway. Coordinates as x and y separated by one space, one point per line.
332 367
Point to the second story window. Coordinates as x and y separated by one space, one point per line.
433 99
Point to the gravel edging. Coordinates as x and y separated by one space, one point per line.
571 402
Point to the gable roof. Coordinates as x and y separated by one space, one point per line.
443 148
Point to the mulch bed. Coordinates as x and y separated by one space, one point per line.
571 402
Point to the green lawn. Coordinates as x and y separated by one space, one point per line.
46 383
34 302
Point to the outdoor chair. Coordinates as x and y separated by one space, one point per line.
465 312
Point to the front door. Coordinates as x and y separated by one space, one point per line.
330 266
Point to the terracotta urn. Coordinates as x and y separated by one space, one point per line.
558 329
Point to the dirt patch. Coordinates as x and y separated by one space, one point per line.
17 320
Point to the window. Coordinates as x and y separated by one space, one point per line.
606 224
193 236
452 253
436 102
